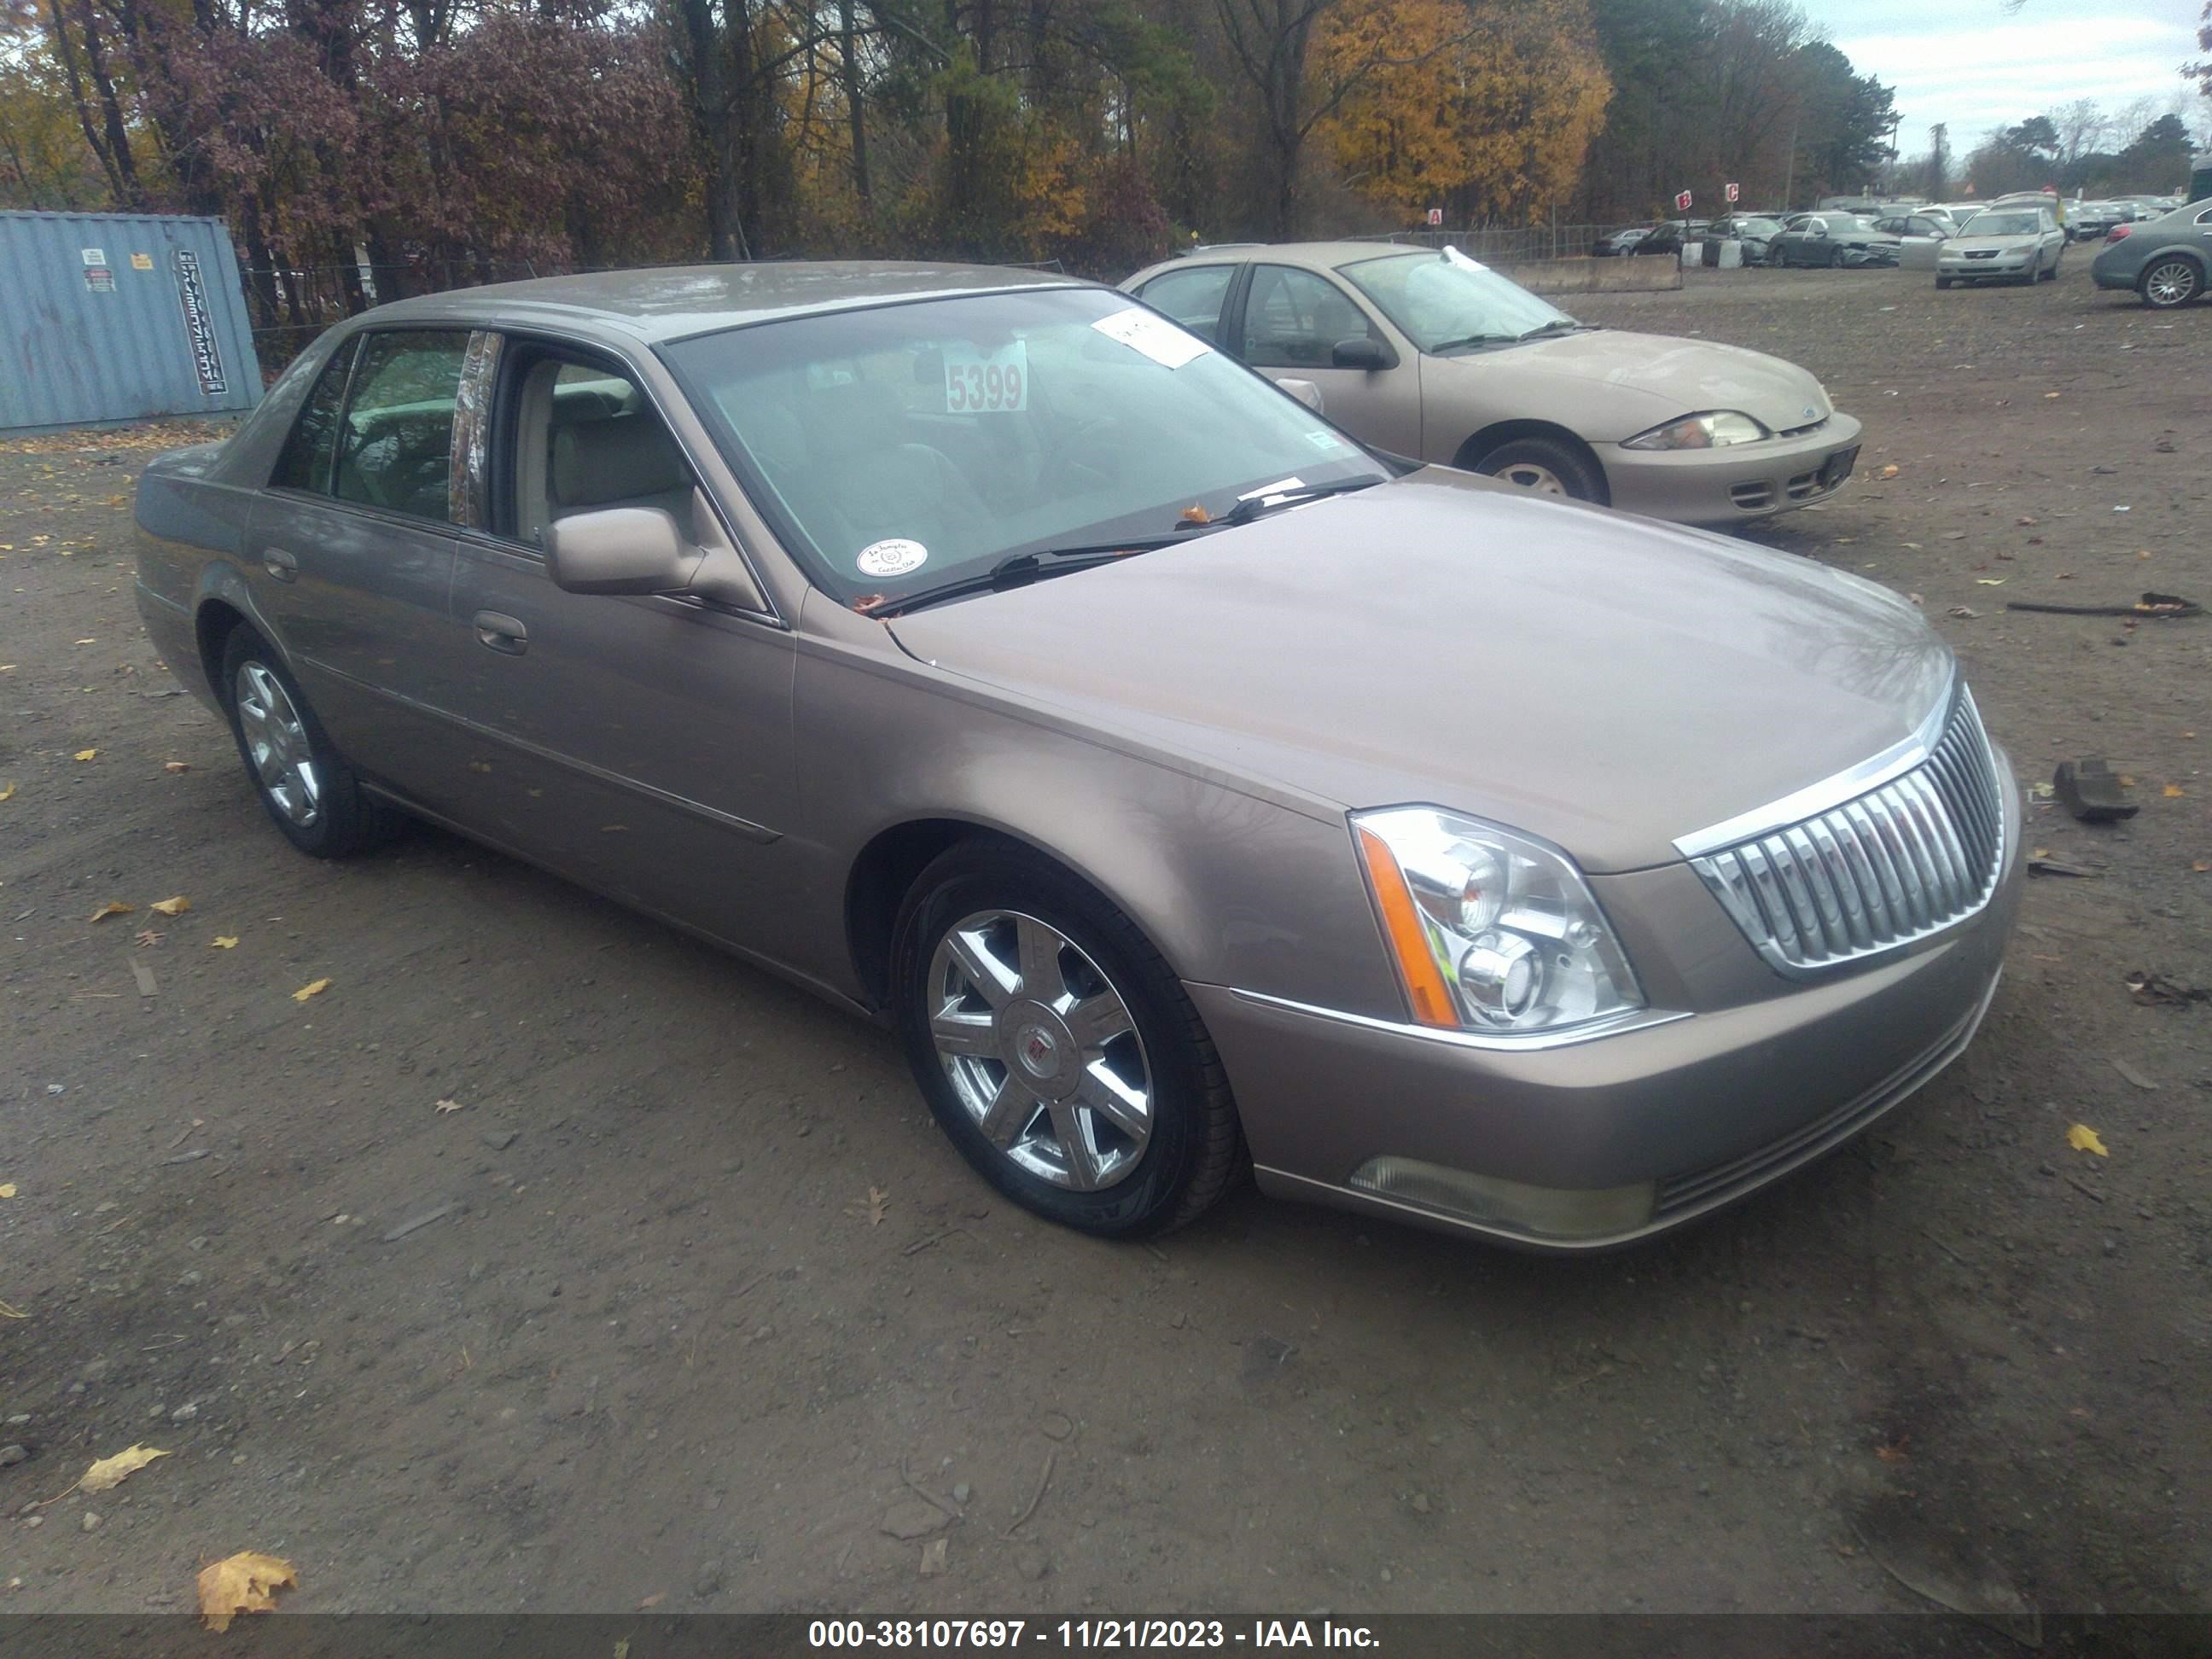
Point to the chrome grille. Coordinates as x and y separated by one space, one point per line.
1897 863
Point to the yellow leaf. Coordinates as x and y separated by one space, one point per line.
2083 1139
2172 791
449 1105
86 754
7 1189
223 942
112 908
8 790
112 1470
176 766
314 989
7 1312
171 907
245 1583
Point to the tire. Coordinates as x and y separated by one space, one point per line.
1544 466
2051 275
1835 258
2170 281
305 786
1108 1003
1942 281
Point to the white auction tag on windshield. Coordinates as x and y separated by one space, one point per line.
980 384
1153 335
1466 262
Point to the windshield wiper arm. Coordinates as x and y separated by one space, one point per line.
1019 570
1558 326
1466 340
1251 507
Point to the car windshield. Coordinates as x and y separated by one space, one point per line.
901 446
1758 228
2001 224
1443 302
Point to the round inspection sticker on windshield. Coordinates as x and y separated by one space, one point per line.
894 557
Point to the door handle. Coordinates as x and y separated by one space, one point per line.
280 564
500 633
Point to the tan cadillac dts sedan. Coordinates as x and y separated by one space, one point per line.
1189 790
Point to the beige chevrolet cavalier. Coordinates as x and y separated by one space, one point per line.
1191 788
1432 355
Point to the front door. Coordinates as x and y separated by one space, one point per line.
349 552
641 744
1292 320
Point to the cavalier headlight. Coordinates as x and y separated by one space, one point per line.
1492 930
1717 430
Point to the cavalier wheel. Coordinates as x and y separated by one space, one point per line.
1543 467
309 791
1056 1048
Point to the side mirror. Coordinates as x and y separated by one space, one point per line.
639 549
618 550
1305 392
1361 352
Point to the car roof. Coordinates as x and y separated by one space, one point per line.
1313 256
672 301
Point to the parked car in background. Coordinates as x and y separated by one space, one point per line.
2166 259
1756 230
994 659
1434 356
1619 243
2019 243
1837 239
1919 235
2092 222
1671 236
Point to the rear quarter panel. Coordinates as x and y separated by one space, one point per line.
190 529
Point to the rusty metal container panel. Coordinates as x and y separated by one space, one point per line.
113 317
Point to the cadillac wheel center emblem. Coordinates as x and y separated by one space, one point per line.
1040 1053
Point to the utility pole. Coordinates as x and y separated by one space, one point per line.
1789 189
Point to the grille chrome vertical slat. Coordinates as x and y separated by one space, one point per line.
1903 860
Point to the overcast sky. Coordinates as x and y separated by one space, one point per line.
1973 65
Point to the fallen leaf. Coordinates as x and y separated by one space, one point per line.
245 1583
112 1470
112 908
7 1189
146 938
223 942
1888 472
1894 1452
874 1207
1990 581
171 907
1965 611
2174 791
2139 1078
2050 394
8 790
1196 514
86 754
2083 1139
7 1312
2200 866
313 989
93 641
653 1600
449 1105
176 766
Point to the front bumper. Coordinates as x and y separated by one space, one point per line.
1726 486
1965 270
1704 1108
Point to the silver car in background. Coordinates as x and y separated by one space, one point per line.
1433 355
1188 790
2015 242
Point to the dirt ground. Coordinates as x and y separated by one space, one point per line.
652 1346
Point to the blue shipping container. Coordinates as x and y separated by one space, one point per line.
106 317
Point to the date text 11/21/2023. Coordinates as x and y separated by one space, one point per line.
1069 1635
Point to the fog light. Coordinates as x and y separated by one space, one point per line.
1555 1212
1499 976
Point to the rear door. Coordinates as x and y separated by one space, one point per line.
641 744
350 550
1195 296
1288 328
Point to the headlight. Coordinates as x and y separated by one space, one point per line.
1714 431
1492 930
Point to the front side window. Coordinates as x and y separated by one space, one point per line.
1192 297
587 438
1293 319
396 443
1442 303
306 462
898 447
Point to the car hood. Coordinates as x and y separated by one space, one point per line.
1609 385
1604 682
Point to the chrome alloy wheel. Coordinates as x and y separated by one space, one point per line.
1041 1049
277 743
2170 282
1530 476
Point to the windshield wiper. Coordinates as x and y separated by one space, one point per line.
1466 340
1251 507
1019 570
1557 326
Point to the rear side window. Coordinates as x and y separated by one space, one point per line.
306 462
395 441
1192 297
